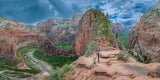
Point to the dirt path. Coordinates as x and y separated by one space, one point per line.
109 68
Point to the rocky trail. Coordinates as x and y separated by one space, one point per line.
109 67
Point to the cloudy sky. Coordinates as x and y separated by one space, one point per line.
126 12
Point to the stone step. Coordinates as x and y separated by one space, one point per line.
115 62
107 56
104 57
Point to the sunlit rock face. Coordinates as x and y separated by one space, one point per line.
14 35
75 20
145 36
60 31
117 28
87 31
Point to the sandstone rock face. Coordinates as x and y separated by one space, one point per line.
8 50
117 28
12 33
49 48
75 20
145 36
60 31
28 37
87 32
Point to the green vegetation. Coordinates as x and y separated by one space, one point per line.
74 27
17 74
3 41
4 61
117 35
20 70
47 34
67 34
139 59
105 30
66 68
40 41
123 37
90 49
4 78
123 55
54 60
73 72
23 57
23 48
120 45
64 46
12 65
58 74
20 42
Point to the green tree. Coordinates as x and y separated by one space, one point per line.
117 35
108 16
104 27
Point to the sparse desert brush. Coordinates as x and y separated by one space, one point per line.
123 55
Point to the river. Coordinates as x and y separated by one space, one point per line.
30 54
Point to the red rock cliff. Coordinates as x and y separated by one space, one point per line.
87 31
145 36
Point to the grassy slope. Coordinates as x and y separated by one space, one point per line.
64 46
53 60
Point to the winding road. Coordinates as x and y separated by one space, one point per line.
40 64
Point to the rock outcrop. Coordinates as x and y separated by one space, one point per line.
14 35
145 36
75 20
87 31
48 47
60 31
11 34
117 28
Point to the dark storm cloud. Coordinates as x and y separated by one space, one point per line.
32 11
127 12
27 11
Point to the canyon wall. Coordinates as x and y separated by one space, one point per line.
13 33
145 36
87 31
117 28
50 49
60 31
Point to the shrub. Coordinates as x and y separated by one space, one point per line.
123 55
120 46
154 74
90 48
73 72
56 75
67 68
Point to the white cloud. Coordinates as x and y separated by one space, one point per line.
127 10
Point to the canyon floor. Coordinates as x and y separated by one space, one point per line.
109 67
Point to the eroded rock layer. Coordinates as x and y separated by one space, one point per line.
145 36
